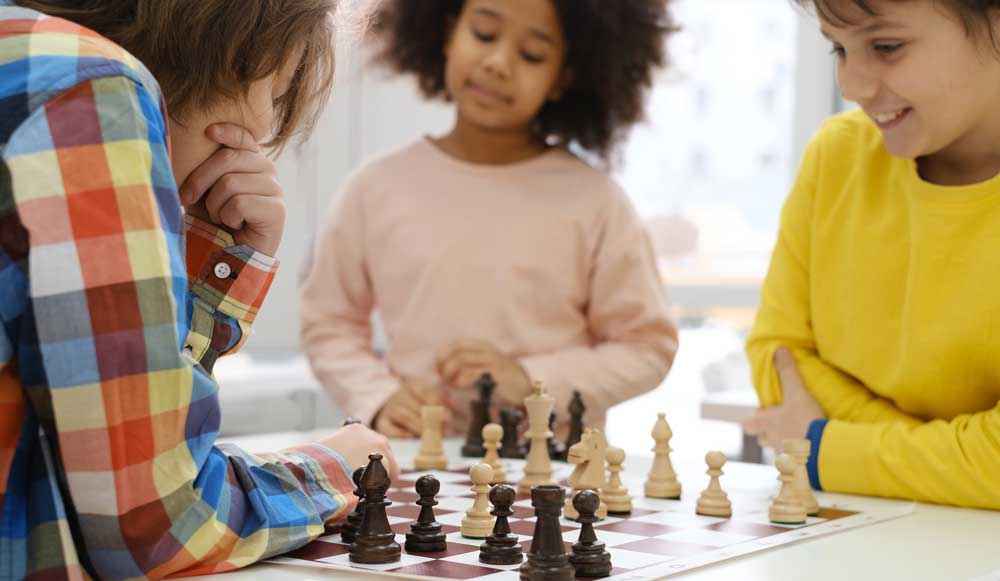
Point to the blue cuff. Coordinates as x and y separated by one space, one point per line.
815 435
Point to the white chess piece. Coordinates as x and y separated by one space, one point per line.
538 468
713 500
431 455
588 455
662 480
799 449
615 494
478 522
787 508
492 433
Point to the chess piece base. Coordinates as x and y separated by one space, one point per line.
620 505
425 543
430 462
786 515
558 569
375 550
589 562
474 528
714 506
671 490
507 553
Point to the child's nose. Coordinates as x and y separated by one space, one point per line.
857 83
498 61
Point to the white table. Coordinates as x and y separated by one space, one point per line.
933 543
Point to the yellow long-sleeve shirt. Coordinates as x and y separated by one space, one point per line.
887 290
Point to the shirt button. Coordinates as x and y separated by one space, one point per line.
223 270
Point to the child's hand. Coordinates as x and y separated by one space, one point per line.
400 416
355 442
461 364
237 188
798 409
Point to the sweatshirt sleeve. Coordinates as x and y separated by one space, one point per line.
337 303
633 339
949 462
783 318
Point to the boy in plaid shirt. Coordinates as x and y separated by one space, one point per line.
115 302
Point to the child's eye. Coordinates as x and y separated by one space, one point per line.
887 48
532 58
839 51
484 36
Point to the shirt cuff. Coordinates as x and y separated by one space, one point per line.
232 279
332 477
815 436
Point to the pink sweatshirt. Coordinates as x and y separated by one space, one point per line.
546 259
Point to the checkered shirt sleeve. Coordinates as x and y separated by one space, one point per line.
108 419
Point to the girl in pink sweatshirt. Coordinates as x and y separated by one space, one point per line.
493 248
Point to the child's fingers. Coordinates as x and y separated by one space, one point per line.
219 164
461 362
232 135
788 371
470 375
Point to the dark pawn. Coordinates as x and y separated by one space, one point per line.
547 560
425 535
589 556
556 449
349 531
375 543
510 419
576 409
479 416
501 547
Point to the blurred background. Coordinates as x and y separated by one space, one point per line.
751 80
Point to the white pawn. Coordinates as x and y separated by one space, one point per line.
615 494
662 481
799 449
787 508
478 522
713 500
431 455
492 433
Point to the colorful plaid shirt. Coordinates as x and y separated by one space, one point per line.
113 306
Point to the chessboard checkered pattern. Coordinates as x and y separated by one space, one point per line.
658 538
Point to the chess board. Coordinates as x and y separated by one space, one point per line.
658 539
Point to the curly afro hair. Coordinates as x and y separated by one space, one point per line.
614 49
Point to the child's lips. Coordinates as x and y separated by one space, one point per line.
487 94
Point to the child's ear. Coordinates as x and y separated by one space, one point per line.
566 79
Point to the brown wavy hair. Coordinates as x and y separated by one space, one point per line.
976 15
615 48
201 51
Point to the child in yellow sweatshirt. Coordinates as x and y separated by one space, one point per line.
878 335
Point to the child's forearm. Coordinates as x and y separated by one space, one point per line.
951 462
841 396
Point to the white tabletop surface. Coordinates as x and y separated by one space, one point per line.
932 543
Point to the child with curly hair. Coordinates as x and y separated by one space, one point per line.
494 248
877 335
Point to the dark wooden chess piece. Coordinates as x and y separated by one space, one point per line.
576 409
589 555
547 560
375 543
510 419
556 450
425 534
349 531
501 547
479 416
